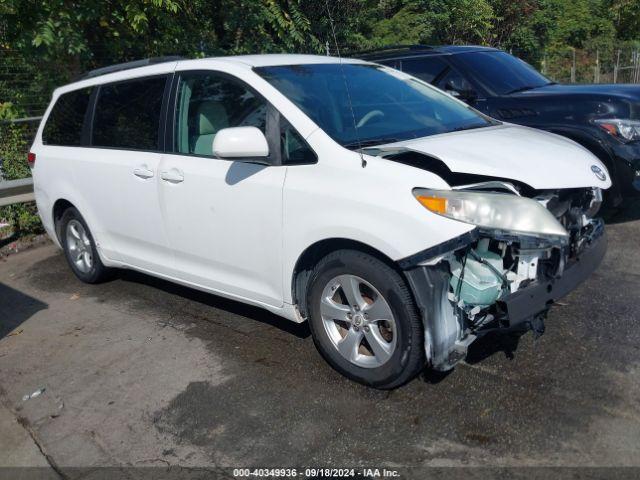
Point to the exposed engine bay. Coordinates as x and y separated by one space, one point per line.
498 264
502 281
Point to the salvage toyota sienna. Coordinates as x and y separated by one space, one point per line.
400 222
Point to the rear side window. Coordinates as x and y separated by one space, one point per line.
127 114
64 125
425 68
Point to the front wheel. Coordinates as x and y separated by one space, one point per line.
364 321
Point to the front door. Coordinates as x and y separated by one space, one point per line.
223 218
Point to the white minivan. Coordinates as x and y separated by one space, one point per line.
400 222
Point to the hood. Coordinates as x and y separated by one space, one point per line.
539 159
629 92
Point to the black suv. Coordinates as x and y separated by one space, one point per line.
603 118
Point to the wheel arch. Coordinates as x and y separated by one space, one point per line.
59 207
314 253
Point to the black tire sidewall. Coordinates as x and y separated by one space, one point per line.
391 285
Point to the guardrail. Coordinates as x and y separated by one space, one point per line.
16 191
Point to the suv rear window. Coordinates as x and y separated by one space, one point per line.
128 114
64 125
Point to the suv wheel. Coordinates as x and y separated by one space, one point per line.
364 321
80 249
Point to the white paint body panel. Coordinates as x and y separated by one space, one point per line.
224 225
240 142
238 229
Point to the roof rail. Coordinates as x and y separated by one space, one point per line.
393 47
118 67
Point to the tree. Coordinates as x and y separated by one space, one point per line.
511 19
75 35
428 22
626 17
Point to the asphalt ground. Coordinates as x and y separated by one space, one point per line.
139 372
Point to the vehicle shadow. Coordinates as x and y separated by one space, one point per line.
481 349
492 343
15 309
239 171
300 330
7 240
628 213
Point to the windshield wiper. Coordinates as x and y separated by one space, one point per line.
369 143
472 127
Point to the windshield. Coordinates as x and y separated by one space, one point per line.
388 105
500 72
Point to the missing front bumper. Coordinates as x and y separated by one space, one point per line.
524 305
447 336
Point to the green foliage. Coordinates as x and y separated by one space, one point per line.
574 23
23 218
13 145
626 18
7 111
428 21
408 25
470 21
51 41
93 33
531 29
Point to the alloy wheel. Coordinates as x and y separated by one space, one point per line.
358 321
79 246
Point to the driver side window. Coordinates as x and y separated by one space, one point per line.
208 102
454 82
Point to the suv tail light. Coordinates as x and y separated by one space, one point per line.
31 159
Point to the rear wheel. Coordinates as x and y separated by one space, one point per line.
80 249
364 321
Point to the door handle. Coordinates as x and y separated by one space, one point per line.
172 176
143 172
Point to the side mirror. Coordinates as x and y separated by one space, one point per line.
464 95
240 142
469 95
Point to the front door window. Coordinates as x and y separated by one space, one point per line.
209 102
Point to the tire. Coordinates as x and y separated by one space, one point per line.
80 248
347 336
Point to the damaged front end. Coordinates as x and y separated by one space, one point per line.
524 254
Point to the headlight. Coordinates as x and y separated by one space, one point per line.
492 210
625 130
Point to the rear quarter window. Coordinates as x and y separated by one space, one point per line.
127 114
425 68
65 122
